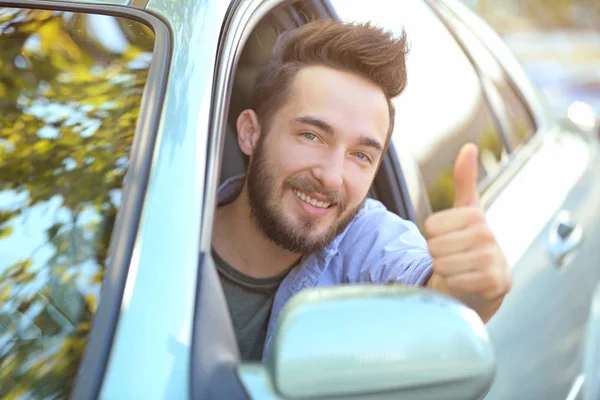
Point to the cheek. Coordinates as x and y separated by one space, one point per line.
358 182
294 156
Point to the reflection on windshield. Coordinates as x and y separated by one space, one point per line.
70 91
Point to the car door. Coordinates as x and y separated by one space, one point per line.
553 195
174 335
74 131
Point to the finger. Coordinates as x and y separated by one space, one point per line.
460 240
451 220
460 263
452 243
486 284
465 177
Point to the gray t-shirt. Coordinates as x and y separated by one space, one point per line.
250 300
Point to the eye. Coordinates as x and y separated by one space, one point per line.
362 157
310 136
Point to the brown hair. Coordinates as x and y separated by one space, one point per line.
363 49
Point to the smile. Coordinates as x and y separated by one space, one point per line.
313 202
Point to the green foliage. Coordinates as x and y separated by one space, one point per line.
68 111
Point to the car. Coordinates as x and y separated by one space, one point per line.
116 130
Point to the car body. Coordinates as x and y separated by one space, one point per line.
108 201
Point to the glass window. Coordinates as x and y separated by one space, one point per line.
520 123
443 106
70 92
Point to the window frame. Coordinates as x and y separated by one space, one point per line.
104 322
447 13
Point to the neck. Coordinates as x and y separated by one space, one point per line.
239 241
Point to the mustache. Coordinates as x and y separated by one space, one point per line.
305 184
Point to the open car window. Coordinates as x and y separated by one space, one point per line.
70 92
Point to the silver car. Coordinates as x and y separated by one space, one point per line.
116 129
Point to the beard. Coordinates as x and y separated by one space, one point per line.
293 234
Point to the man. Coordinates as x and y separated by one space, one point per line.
320 121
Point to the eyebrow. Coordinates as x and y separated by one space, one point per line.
324 126
317 123
368 142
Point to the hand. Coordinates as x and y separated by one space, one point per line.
468 264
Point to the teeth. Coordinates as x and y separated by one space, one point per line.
312 202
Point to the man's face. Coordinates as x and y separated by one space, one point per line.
311 172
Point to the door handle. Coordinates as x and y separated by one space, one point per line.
565 236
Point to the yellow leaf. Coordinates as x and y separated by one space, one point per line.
97 279
6 232
65 278
5 294
92 302
28 263
43 146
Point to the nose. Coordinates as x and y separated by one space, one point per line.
330 171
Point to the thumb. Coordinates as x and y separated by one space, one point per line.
465 177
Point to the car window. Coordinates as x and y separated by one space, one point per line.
520 122
443 106
70 92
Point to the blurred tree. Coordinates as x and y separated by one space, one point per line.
555 14
68 111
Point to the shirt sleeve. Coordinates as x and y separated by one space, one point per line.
380 247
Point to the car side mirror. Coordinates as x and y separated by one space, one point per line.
375 341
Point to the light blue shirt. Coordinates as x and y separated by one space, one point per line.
376 247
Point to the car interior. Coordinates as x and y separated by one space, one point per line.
256 51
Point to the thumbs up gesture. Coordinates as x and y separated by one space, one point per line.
468 264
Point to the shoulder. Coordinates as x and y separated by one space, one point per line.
376 222
378 246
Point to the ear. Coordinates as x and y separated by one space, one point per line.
248 130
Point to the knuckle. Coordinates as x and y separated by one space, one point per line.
499 285
429 226
485 258
494 287
476 215
485 234
432 245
